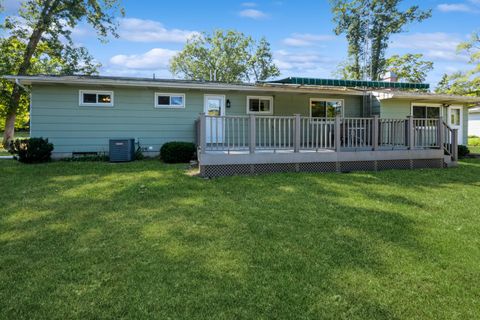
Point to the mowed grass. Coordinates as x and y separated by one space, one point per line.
19 134
146 240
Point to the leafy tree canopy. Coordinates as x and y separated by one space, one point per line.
226 56
368 25
467 82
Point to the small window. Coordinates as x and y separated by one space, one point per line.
260 105
96 98
426 112
169 100
320 108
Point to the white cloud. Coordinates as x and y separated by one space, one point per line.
253 14
311 64
436 45
454 7
157 58
306 39
140 30
248 4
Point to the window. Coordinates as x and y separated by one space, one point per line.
325 108
169 100
96 98
455 117
260 105
426 111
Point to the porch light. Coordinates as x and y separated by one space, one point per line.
228 103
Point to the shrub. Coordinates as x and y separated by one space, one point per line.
32 150
474 141
176 152
463 151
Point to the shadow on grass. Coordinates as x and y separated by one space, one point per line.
83 240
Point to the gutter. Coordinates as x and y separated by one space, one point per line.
17 82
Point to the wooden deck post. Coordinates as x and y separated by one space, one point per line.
203 133
252 134
440 133
296 146
454 144
375 132
338 140
411 133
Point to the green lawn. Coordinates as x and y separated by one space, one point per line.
20 134
146 240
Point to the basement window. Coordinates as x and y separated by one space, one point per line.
96 98
170 100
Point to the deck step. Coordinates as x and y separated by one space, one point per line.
449 163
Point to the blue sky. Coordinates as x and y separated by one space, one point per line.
300 33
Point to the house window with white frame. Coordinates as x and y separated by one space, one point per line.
96 98
325 108
170 100
425 111
259 105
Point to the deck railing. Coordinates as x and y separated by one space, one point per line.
298 134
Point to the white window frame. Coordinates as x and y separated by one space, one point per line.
170 106
96 104
420 104
326 100
270 98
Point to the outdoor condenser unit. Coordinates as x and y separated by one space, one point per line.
122 150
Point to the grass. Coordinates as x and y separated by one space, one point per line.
146 240
19 134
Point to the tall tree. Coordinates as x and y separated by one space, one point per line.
50 23
409 67
468 82
368 26
224 56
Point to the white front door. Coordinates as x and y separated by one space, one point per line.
455 121
214 106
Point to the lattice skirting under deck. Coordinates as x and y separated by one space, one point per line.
347 166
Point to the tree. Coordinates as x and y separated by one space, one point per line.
409 67
468 82
224 56
50 23
368 25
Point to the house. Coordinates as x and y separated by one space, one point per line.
293 124
474 122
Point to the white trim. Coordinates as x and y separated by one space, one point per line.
269 98
170 106
342 111
425 104
97 104
460 126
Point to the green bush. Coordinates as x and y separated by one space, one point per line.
177 152
463 151
474 141
32 150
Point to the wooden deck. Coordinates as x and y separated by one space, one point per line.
257 144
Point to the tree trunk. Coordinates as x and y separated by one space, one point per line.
42 24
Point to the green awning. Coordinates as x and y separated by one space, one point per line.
350 83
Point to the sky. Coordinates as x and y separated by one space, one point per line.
300 33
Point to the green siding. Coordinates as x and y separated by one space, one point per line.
400 109
56 114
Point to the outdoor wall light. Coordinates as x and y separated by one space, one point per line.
228 103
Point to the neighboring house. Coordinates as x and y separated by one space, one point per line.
340 125
474 122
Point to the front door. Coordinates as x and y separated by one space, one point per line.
455 120
214 106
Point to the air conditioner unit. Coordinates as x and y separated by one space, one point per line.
122 150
